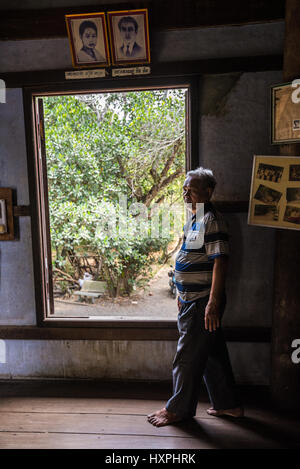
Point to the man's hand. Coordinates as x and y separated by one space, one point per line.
212 310
212 316
178 303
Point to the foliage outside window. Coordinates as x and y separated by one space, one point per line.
103 148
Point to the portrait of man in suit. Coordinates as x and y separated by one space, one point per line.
129 36
128 28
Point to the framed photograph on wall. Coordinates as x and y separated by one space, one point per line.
129 36
88 40
285 101
275 192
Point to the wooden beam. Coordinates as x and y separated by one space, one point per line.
98 388
169 14
234 206
222 206
285 377
158 70
124 332
231 206
291 64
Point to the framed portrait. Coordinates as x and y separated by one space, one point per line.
88 40
129 36
275 192
285 100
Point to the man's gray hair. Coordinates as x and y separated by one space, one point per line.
205 176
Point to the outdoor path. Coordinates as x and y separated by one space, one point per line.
155 302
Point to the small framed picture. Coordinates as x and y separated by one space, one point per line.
285 100
88 40
129 36
6 214
294 172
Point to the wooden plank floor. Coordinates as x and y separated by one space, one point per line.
120 423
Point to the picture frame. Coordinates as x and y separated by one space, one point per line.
285 113
129 36
275 192
88 40
7 233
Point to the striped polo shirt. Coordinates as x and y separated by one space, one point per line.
203 241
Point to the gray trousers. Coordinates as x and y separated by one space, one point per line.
200 353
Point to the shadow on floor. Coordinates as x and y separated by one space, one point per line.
247 432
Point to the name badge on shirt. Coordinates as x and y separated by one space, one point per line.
194 230
194 239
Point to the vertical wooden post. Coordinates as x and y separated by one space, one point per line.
285 377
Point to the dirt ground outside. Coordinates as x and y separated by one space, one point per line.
155 302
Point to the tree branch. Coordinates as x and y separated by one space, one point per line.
148 198
163 180
124 174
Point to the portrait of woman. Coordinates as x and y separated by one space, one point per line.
89 35
88 40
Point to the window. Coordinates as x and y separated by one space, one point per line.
107 171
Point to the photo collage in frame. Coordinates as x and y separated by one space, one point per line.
275 192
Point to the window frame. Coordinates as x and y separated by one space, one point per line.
165 329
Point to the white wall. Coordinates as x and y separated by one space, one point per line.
124 360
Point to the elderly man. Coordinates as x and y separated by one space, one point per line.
200 279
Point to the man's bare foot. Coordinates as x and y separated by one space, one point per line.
236 412
163 417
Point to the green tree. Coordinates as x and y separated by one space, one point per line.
100 146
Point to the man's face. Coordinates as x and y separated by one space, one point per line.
89 38
193 192
128 32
